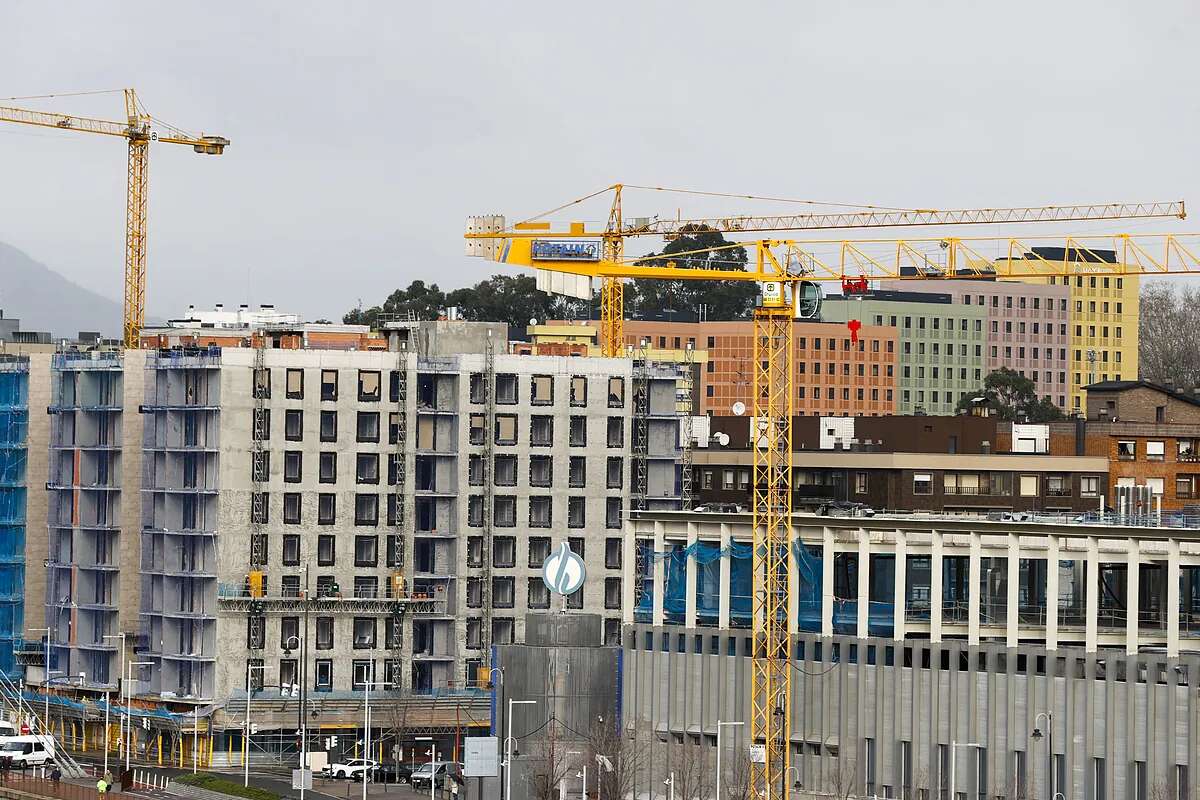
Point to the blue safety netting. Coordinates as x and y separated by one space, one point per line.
14 427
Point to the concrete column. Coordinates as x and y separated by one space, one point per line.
1173 598
1012 582
973 567
827 583
1052 559
1092 594
659 566
1132 611
723 602
935 586
689 591
900 592
864 583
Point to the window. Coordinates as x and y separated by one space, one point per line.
475 510
1155 485
366 551
261 424
616 432
506 429
536 594
615 472
503 591
323 675
541 430
295 384
505 473
327 467
577 472
362 673
539 511
328 426
326 509
325 550
1028 486
616 392
612 592
262 383
1187 486
504 552
575 512
922 483
366 509
1154 451
1126 450
541 471
612 552
364 633
1089 485
293 424
539 551
478 429
329 384
475 470
292 466
367 468
860 483
474 551
577 434
478 388
368 426
612 512
291 550
291 508
504 511
324 627
260 504
541 390
578 391
369 386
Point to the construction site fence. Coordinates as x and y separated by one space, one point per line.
18 785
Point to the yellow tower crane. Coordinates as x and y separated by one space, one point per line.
780 267
138 130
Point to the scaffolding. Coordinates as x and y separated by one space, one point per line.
489 398
684 402
641 426
14 424
398 556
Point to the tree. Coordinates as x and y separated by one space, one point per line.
627 752
1013 397
1168 337
423 302
724 300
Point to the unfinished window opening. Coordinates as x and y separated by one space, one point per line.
295 384
578 391
541 431
616 432
427 392
612 553
539 512
474 551
474 592
541 471
478 388
366 509
329 384
505 471
506 389
541 390
326 550
478 429
503 591
616 472
369 386
612 512
577 435
329 426
577 472
506 429
327 466
326 505
396 423
537 595
575 512
616 392
503 630
262 383
366 551
425 433
504 552
475 510
291 550
291 508
366 468
475 470
504 511
292 466
293 425
612 592
364 633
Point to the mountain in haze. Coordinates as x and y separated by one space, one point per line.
45 301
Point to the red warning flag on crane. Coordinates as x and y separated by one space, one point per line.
854 326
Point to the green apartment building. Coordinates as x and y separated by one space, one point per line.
942 345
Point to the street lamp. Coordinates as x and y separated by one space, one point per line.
719 726
246 738
670 784
302 646
432 752
120 673
1037 737
129 707
508 747
367 684
954 762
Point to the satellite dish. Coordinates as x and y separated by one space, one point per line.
739 408
723 439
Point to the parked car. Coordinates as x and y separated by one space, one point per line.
353 768
438 772
20 752
392 772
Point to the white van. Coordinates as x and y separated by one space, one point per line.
21 752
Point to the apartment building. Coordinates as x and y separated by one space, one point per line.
940 345
834 375
14 426
1027 327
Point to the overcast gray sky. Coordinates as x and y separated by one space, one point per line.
363 133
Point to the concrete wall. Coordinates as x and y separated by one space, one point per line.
37 542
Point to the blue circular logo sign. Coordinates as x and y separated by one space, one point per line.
563 572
